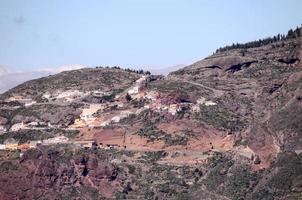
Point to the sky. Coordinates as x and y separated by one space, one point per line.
38 34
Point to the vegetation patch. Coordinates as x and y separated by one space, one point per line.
220 118
154 134
152 157
23 136
8 166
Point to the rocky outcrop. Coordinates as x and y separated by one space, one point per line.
44 170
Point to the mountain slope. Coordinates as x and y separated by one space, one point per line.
86 79
260 84
225 127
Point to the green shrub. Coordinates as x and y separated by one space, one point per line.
220 118
7 166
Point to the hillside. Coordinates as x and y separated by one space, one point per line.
226 127
83 80
262 85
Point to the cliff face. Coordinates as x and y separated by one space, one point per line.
56 173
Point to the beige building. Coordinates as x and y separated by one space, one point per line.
56 140
11 144
84 143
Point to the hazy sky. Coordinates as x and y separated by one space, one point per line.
133 33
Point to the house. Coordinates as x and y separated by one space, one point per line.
120 105
2 129
116 161
33 144
97 93
198 161
46 96
104 124
87 113
17 126
70 95
246 154
164 108
78 123
112 146
2 147
23 147
11 144
126 113
298 151
174 108
28 102
87 117
116 119
210 103
56 140
203 101
37 125
15 98
85 143
146 106
133 90
195 108
152 95
33 124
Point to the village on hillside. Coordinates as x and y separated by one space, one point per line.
93 118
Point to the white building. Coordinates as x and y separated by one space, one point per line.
133 90
33 123
17 126
87 113
151 95
2 129
174 108
70 95
104 124
46 96
126 113
29 102
142 79
210 103
203 101
56 140
2 146
116 119
97 93
195 108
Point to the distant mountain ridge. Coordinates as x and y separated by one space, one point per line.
10 79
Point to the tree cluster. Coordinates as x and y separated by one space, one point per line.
140 71
258 43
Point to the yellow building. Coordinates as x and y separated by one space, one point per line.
11 146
